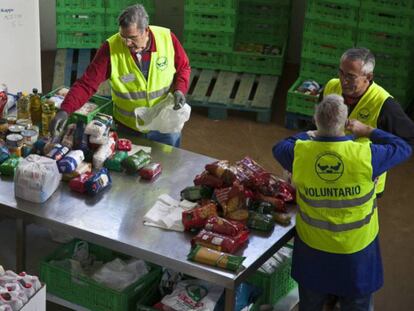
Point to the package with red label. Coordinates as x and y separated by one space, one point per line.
123 144
223 226
231 198
197 217
150 171
207 179
220 242
223 170
78 183
279 204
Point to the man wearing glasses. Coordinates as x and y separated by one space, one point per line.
143 63
367 101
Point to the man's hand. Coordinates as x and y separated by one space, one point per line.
358 129
58 122
179 100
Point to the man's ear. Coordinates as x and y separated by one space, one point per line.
370 76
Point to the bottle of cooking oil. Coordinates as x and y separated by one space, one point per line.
48 113
35 108
23 107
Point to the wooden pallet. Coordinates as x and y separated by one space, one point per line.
221 91
70 64
296 121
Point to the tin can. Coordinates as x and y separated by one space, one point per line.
17 151
11 120
16 129
14 140
29 136
24 122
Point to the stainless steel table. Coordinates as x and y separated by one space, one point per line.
114 219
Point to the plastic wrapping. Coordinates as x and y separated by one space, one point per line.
197 217
8 167
83 167
209 180
57 152
150 171
195 193
114 163
36 178
69 137
78 183
223 226
220 242
71 161
260 222
4 154
103 153
98 182
123 144
135 162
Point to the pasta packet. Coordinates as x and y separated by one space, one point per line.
215 258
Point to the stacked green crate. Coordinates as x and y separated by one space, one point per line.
80 23
387 29
209 27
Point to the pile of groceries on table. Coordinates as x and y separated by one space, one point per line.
82 154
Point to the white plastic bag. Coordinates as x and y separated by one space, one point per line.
36 178
162 117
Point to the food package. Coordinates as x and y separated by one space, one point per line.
68 138
81 139
83 167
220 242
282 219
239 215
104 118
78 183
4 154
114 163
71 161
26 150
209 180
260 222
135 162
223 170
197 217
123 144
8 167
103 152
58 152
231 198
150 171
36 178
195 193
96 128
223 226
279 204
215 258
262 207
98 182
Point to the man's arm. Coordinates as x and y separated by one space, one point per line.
283 150
182 67
393 119
97 72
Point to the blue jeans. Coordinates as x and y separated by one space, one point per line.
314 301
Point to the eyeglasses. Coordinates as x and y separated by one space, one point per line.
348 77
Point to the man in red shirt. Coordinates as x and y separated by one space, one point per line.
143 63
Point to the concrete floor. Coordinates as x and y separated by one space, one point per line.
239 136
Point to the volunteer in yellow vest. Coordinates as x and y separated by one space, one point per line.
143 64
336 249
367 101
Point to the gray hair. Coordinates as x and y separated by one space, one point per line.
330 115
362 54
134 14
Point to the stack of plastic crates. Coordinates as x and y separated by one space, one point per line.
330 28
386 27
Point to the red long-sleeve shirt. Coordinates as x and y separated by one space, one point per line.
99 70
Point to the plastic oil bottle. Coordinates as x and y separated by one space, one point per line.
23 106
35 108
48 113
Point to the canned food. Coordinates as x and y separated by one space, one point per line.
11 120
17 151
16 129
29 136
14 140
24 122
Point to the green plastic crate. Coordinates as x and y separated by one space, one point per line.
384 21
317 70
209 60
80 6
262 30
84 291
208 40
116 6
218 22
329 52
217 5
396 6
79 39
338 12
391 65
111 21
300 103
275 286
264 10
89 22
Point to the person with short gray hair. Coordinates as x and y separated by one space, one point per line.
336 249
144 63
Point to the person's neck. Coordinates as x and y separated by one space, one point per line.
329 134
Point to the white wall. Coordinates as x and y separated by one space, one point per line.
170 13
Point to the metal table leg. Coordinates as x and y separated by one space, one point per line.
229 299
20 245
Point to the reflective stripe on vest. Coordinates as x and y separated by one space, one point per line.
367 110
130 89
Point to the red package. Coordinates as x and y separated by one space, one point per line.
197 217
123 144
231 198
207 179
223 226
279 204
150 171
78 183
222 170
220 242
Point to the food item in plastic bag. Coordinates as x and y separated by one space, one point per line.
68 138
193 295
262 207
197 217
78 183
4 154
215 258
81 139
231 198
195 193
83 167
36 178
104 118
103 152
239 215
150 171
8 167
96 128
98 182
26 150
220 242
223 170
260 222
279 204
282 218
209 180
135 162
71 161
123 144
223 226
114 163
57 152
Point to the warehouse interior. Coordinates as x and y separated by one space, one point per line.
240 135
